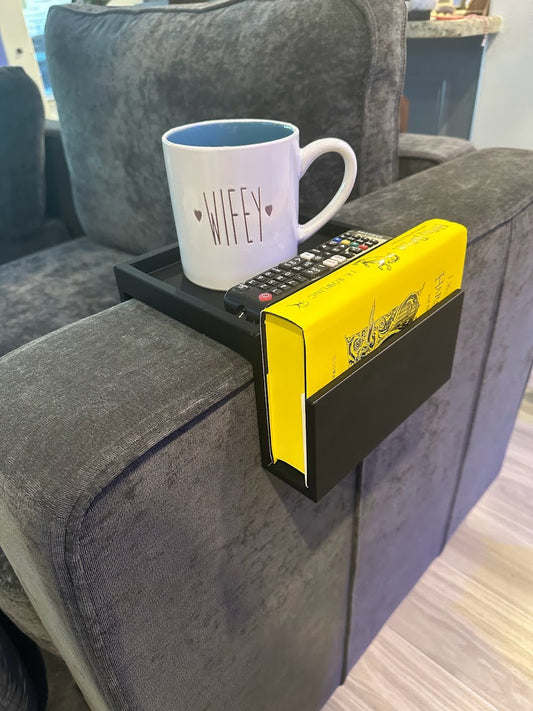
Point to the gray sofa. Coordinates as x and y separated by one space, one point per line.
147 547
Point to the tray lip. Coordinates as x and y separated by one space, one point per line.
137 261
139 267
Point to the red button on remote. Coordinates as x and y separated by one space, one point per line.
265 297
364 246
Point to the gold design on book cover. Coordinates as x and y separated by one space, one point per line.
369 338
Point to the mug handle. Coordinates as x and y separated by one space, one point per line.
310 153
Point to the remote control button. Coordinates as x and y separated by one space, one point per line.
252 282
268 275
336 250
291 263
292 282
283 287
241 287
335 240
276 291
280 277
272 282
355 250
265 297
286 274
275 270
298 269
299 278
330 262
264 286
364 246
315 271
339 258
345 241
307 256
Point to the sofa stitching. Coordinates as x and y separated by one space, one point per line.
479 384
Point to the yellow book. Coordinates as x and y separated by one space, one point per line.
317 333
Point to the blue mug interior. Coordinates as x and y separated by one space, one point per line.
230 133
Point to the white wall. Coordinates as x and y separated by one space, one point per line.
504 112
16 40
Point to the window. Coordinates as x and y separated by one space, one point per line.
35 12
22 42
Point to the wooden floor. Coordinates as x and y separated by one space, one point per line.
463 638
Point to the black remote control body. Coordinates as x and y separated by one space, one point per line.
248 299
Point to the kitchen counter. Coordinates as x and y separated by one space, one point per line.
470 26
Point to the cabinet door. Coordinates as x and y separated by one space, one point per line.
441 84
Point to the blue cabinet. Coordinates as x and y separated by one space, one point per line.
442 76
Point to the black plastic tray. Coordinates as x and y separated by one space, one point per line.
348 418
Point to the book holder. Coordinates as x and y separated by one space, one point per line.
349 417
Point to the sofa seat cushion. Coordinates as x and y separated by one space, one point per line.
17 692
51 232
418 152
15 604
54 287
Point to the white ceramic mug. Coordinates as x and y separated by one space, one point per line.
234 186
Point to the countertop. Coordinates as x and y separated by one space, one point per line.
466 27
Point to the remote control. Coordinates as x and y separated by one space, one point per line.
248 299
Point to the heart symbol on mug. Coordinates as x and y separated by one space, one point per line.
198 215
268 209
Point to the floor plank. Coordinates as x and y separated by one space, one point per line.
472 633
393 675
495 552
511 495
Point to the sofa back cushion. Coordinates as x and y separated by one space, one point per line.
22 187
122 76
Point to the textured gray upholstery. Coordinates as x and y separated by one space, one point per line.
332 69
15 604
17 692
51 288
22 189
23 226
419 152
152 544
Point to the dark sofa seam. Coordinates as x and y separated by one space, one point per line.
354 548
479 384
113 692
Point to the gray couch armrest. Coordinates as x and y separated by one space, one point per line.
418 152
146 534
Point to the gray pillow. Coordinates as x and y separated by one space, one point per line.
122 76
